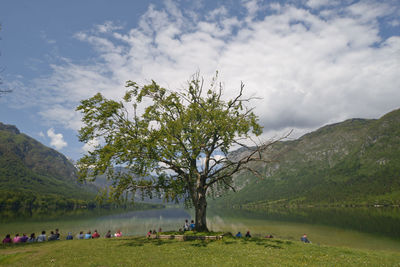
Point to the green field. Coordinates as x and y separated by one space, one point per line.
139 251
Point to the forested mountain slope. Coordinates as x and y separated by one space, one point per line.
33 174
353 162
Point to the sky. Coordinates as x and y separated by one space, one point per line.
308 62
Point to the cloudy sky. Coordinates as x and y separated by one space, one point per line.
311 62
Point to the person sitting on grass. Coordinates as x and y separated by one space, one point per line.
192 225
32 238
95 234
69 236
108 235
305 239
81 235
17 239
269 236
23 238
149 233
7 239
42 237
88 235
248 235
119 234
239 234
186 226
57 234
52 236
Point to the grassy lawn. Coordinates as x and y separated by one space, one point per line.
139 251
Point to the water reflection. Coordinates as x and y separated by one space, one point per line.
129 222
354 227
381 221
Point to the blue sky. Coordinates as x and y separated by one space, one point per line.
312 62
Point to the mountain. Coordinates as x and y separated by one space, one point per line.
31 172
355 162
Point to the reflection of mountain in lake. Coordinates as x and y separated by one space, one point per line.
379 221
163 213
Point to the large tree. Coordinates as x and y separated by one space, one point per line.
181 139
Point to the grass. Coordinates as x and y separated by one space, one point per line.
139 251
192 233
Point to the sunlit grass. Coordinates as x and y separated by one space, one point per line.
139 251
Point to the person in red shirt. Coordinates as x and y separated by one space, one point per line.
95 234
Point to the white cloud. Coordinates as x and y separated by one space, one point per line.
56 140
315 4
310 68
108 26
90 146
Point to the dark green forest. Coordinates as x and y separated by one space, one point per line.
35 177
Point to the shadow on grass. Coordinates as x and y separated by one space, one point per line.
139 242
226 242
271 243
200 244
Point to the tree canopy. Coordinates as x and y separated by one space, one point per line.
175 143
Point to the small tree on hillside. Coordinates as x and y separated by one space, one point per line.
181 140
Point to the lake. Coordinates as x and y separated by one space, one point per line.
369 228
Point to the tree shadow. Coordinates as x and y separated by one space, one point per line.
139 242
229 242
200 244
272 243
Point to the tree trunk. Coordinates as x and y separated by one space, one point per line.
200 209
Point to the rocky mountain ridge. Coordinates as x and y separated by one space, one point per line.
356 161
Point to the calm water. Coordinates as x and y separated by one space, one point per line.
358 228
370 228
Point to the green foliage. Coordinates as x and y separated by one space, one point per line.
177 137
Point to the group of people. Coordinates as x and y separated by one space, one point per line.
239 234
188 226
55 235
304 238
153 232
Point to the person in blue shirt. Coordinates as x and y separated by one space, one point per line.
88 235
239 234
81 235
192 225
305 239
69 236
